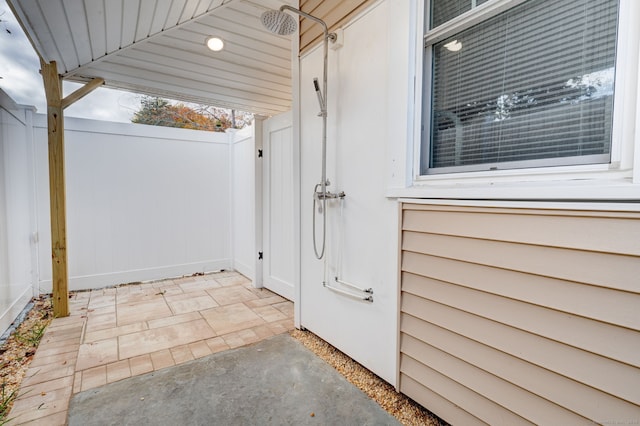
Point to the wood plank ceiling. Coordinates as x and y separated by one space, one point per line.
157 47
333 12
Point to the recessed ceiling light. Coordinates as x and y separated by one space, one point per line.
215 43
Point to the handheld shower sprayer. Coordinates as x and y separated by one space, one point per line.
279 22
323 108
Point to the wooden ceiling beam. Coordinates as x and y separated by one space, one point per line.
82 92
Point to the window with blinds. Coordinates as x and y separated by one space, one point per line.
443 11
529 87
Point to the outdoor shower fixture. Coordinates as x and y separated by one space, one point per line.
280 22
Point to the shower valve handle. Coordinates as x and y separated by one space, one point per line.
328 195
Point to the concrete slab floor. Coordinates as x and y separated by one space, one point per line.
274 382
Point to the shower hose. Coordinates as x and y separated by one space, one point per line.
323 207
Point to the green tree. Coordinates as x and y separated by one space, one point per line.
161 112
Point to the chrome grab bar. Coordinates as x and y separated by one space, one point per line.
364 290
348 293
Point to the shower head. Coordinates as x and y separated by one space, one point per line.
279 22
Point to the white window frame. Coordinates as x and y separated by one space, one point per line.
619 179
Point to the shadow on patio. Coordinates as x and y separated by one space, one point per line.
120 332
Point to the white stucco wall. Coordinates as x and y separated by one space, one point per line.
367 97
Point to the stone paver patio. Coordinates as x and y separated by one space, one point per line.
120 332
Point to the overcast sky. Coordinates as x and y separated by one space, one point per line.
21 80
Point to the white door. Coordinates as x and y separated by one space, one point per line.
279 222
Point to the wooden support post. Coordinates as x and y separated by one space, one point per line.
55 124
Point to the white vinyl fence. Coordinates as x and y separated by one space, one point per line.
243 203
17 216
143 203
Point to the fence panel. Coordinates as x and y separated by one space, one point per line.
16 259
143 202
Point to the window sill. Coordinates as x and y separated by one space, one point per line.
559 190
574 206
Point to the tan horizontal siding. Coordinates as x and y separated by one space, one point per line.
549 211
561 295
576 331
476 405
560 231
581 366
535 311
333 12
435 402
501 400
537 380
600 269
